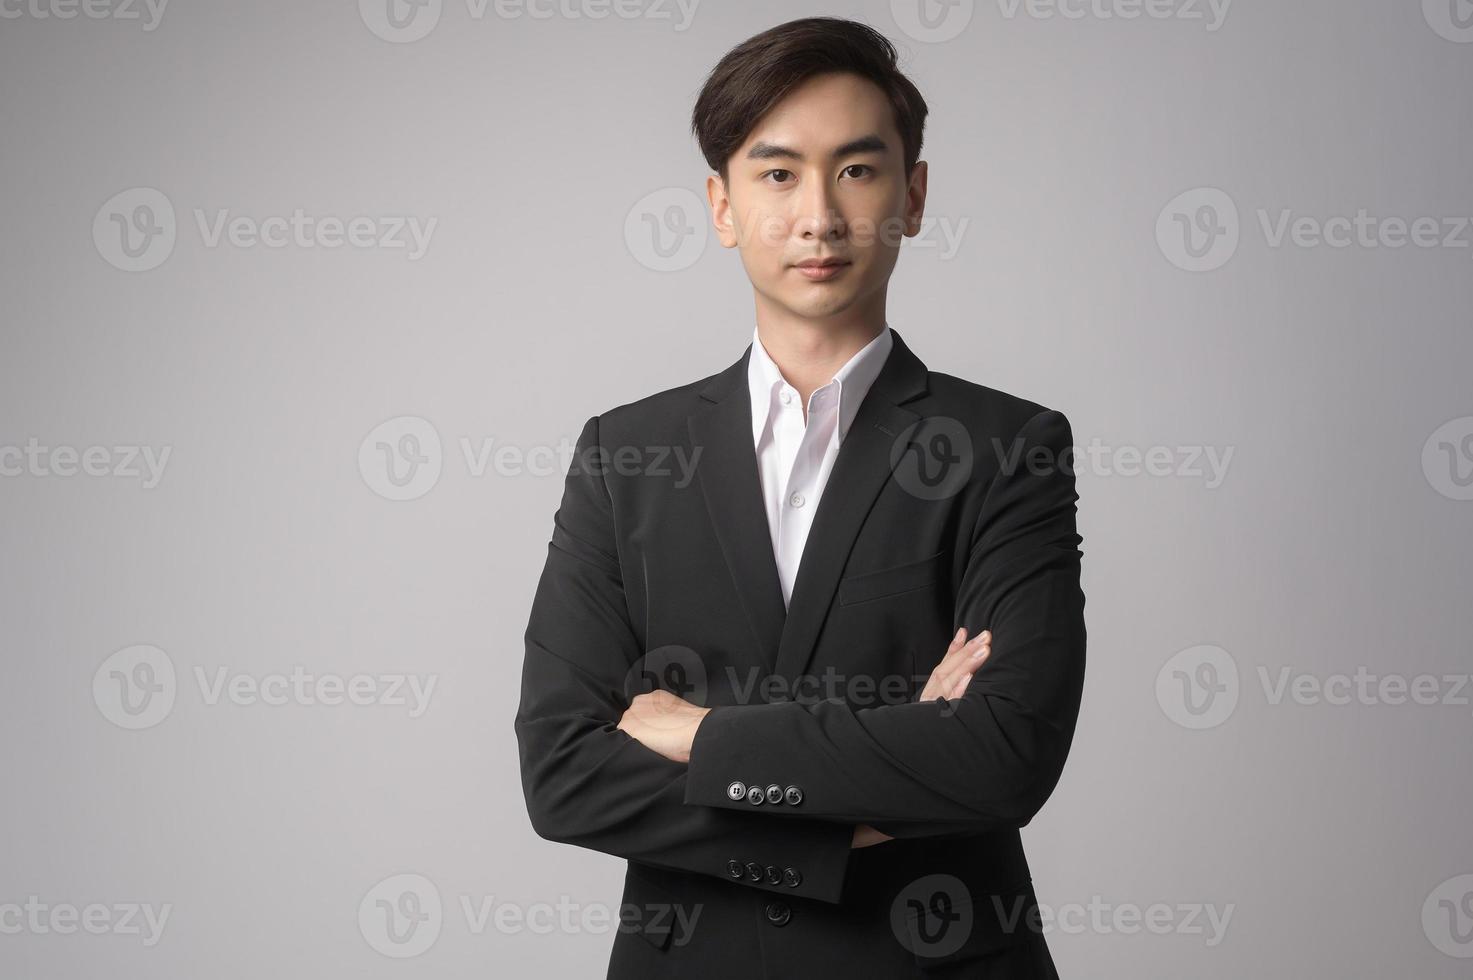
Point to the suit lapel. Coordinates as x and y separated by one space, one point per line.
727 472
733 493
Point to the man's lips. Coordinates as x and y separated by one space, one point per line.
818 270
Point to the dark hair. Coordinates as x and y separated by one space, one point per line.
757 74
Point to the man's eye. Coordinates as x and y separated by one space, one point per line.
856 166
774 173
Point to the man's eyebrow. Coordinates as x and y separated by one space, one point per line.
872 143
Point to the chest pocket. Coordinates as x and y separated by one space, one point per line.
892 581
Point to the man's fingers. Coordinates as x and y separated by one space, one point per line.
961 657
982 639
958 653
955 682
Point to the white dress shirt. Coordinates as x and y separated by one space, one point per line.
793 457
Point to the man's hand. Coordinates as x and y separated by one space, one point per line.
663 722
951 676
867 836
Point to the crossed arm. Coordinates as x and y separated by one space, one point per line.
668 724
983 753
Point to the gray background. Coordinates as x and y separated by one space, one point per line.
1337 539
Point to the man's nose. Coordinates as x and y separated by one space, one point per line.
817 215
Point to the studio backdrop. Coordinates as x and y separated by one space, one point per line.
305 304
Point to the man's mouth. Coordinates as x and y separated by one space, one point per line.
818 270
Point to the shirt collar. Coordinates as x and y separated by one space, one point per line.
855 379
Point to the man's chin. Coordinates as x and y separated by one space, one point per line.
817 307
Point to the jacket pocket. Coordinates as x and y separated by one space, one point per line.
892 581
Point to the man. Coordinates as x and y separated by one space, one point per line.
811 692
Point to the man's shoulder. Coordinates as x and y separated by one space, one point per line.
652 414
980 409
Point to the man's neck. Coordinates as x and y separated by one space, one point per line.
809 353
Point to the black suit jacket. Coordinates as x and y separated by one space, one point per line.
949 504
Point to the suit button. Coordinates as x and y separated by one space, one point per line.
754 796
793 795
774 793
774 876
792 878
778 913
754 871
736 790
735 869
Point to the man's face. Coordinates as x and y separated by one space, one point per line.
822 176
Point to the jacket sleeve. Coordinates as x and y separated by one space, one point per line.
985 761
590 784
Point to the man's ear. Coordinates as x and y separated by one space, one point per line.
915 200
721 211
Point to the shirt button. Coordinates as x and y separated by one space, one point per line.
792 878
774 794
755 871
755 796
796 500
774 876
787 397
736 791
778 913
794 796
734 868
